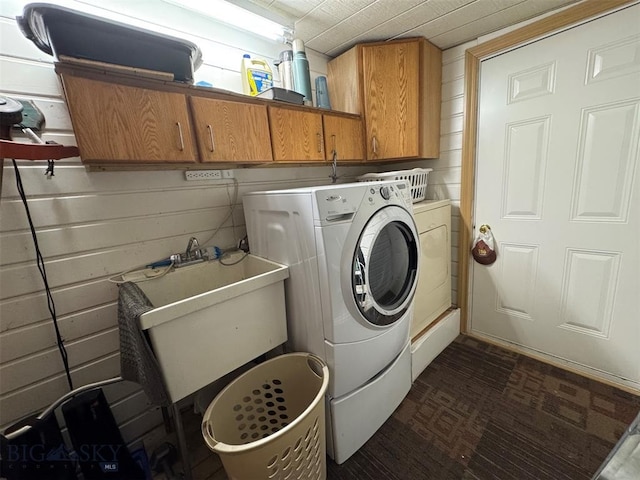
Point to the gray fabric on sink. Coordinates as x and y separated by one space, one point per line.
137 362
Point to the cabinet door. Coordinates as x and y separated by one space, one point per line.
344 135
231 131
391 75
296 135
118 123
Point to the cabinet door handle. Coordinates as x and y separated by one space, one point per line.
319 135
181 145
213 145
374 145
333 141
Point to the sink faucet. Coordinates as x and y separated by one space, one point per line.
193 249
192 254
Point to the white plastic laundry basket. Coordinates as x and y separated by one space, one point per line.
269 423
417 177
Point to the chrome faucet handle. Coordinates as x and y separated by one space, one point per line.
193 254
193 244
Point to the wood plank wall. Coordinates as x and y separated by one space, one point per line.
92 225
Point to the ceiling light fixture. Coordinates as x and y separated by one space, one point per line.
231 14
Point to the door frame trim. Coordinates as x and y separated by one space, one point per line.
473 56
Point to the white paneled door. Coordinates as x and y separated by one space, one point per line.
557 181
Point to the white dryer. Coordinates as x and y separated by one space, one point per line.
352 252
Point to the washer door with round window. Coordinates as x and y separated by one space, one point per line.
385 266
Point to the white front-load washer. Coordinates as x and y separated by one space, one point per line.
352 252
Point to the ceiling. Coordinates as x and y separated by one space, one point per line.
333 26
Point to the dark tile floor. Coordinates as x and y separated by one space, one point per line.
480 412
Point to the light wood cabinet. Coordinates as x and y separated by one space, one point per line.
311 136
231 131
296 135
125 124
396 87
345 136
128 119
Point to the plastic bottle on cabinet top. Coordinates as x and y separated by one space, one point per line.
256 75
301 78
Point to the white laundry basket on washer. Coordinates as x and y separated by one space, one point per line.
269 423
417 178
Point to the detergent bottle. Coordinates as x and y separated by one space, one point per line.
256 75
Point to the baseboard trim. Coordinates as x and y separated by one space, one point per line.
568 365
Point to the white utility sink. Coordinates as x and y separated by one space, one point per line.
210 319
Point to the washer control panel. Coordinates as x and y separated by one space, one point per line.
404 189
341 203
396 190
336 205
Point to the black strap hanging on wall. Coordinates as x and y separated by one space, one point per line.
43 273
12 115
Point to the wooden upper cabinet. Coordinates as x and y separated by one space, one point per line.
345 136
396 87
116 123
391 75
296 135
129 119
231 131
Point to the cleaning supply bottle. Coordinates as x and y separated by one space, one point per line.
256 75
301 79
